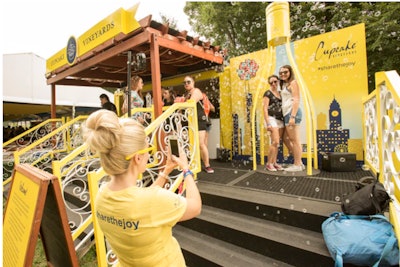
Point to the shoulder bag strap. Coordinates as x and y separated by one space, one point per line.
389 245
339 259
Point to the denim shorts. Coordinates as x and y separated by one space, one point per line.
297 120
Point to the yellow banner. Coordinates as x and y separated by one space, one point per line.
121 21
334 67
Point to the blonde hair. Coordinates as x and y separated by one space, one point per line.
113 139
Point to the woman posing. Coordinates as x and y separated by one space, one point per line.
195 94
136 97
137 221
273 117
290 94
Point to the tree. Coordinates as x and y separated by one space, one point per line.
170 21
241 26
381 22
383 37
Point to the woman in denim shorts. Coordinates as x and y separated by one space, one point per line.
292 114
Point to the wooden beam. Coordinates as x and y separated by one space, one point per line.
155 75
73 82
53 102
189 50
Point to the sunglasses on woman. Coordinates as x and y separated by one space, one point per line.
149 150
271 83
283 72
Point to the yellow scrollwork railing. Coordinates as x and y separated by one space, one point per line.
46 141
382 137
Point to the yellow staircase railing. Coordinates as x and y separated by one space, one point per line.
43 143
381 117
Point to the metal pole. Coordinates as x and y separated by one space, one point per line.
128 83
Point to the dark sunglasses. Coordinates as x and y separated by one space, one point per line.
187 82
283 72
271 83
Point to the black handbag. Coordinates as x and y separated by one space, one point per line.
369 198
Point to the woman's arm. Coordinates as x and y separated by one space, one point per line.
192 195
212 108
124 108
193 199
265 107
296 97
196 95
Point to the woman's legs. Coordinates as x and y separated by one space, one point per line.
273 147
293 132
204 150
287 142
280 131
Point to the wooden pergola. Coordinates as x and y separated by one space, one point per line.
168 53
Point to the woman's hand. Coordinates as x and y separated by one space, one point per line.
292 122
181 160
140 119
170 164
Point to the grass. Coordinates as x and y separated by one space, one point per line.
88 260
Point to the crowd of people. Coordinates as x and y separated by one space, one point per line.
12 131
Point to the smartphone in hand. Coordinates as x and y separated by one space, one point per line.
174 145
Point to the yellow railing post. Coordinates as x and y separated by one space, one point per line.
93 183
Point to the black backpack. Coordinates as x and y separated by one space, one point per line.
369 198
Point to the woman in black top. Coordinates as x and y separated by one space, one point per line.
273 117
195 94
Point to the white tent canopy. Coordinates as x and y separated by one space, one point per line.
24 82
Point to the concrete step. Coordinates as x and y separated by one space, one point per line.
294 211
281 242
203 250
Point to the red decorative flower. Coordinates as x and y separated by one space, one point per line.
247 69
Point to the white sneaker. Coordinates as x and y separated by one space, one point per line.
294 168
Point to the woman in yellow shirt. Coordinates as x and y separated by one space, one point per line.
137 222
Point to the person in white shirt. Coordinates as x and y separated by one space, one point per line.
292 114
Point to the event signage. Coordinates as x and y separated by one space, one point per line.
333 66
34 205
120 22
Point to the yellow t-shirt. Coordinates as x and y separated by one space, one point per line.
137 222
